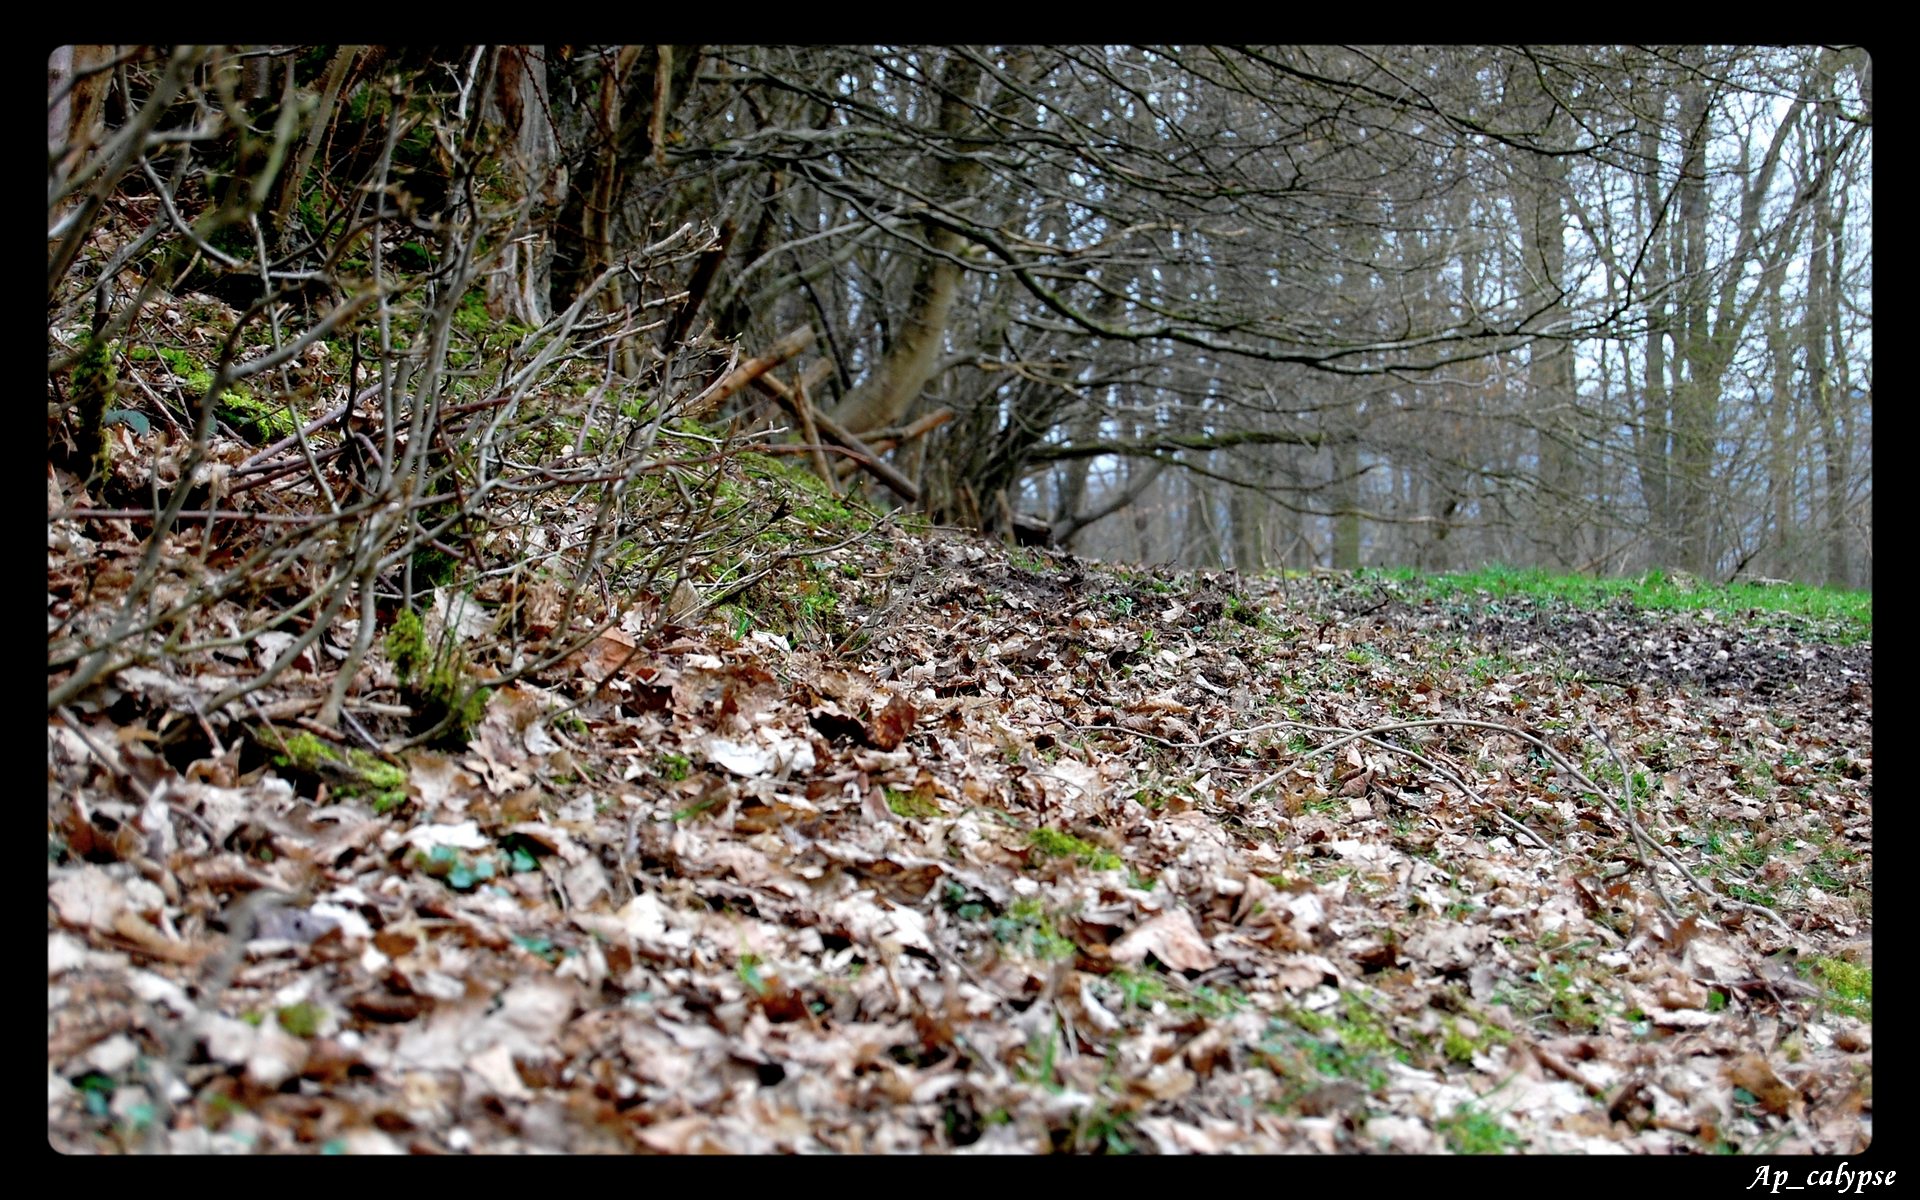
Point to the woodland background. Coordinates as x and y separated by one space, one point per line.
1598 308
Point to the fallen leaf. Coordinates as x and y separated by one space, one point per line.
1169 937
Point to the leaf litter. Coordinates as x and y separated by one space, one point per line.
1018 853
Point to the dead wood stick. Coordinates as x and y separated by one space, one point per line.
925 425
1555 1062
751 370
805 411
903 487
895 438
816 375
698 286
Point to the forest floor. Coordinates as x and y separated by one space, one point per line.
950 846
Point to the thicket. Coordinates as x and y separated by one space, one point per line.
285 424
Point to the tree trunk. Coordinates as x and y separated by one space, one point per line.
893 385
520 288
1346 498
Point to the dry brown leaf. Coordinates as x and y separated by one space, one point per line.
1170 937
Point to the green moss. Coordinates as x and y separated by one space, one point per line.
1849 986
674 767
257 420
688 427
305 752
354 773
915 806
432 567
813 502
465 707
407 644
386 784
472 316
302 1020
435 682
253 418
1052 843
94 379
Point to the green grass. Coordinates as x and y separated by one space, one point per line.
1473 1131
1564 988
1143 989
1307 1059
1847 614
1028 927
1028 559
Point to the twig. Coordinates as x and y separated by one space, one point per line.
1242 796
805 411
1626 804
754 368
869 458
113 766
1560 1066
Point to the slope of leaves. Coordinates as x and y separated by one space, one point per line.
901 842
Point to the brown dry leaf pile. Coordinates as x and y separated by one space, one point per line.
1028 855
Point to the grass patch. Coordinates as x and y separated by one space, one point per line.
1144 990
1843 615
1029 927
1564 988
1471 1130
1028 559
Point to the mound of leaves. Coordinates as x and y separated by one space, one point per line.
917 844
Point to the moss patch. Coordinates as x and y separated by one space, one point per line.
1051 843
435 682
347 774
